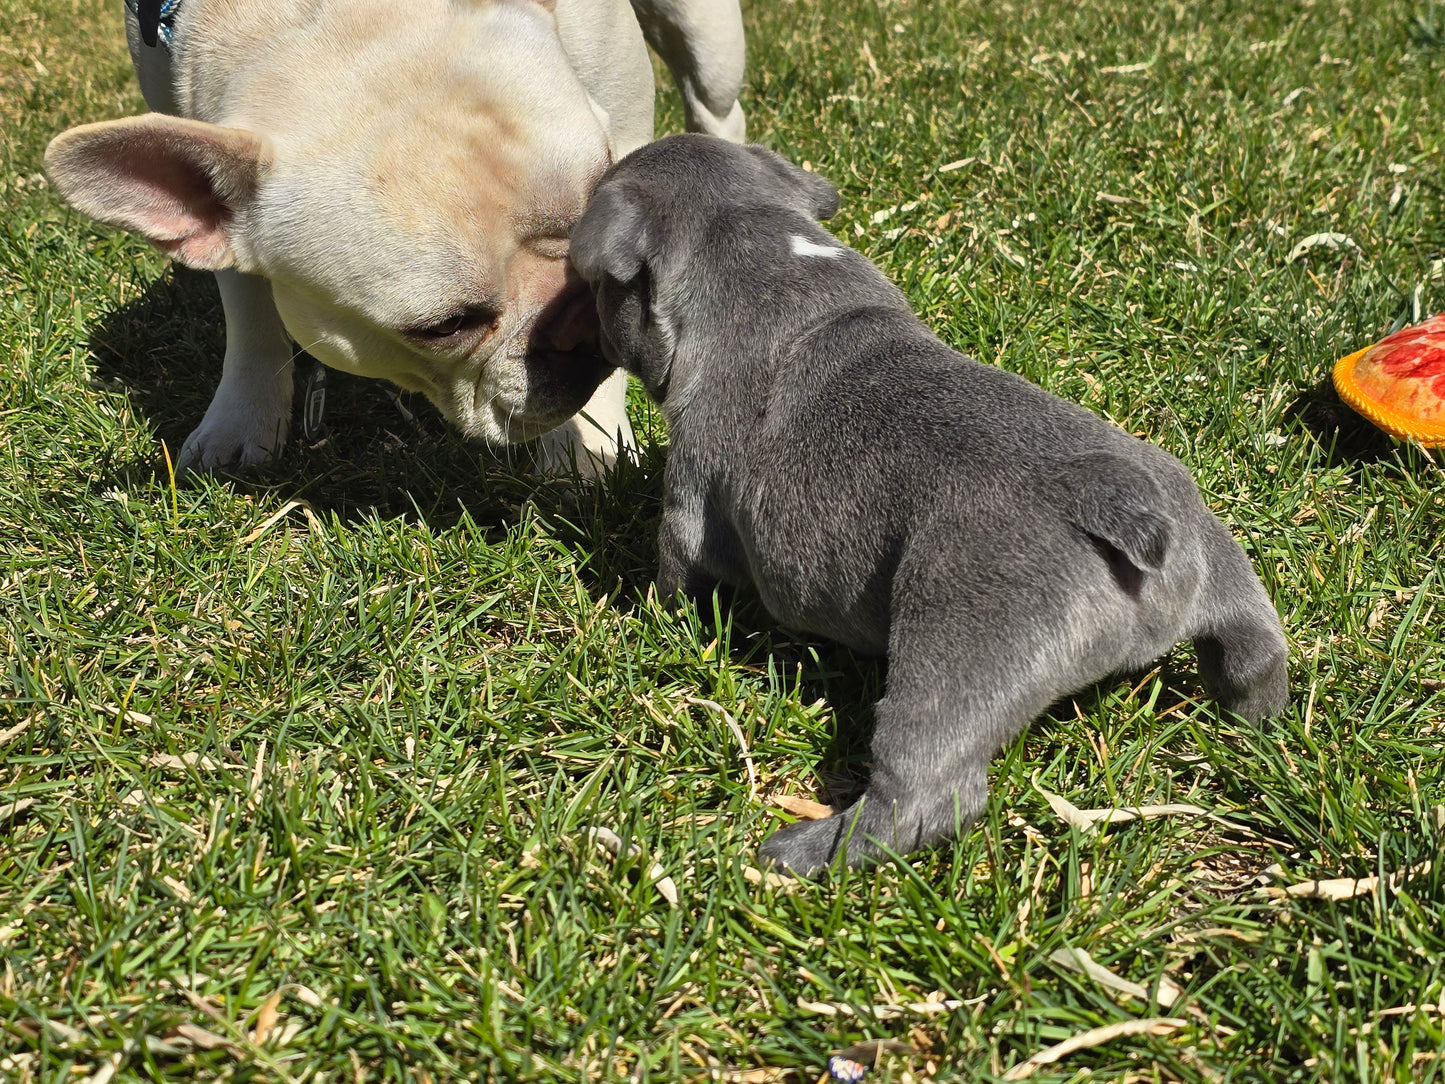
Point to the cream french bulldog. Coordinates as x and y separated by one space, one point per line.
392 187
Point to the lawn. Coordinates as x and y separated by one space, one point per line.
301 771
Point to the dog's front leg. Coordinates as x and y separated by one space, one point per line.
250 414
595 437
701 41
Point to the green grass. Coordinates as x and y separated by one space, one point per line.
400 708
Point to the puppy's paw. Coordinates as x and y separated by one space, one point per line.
805 849
239 430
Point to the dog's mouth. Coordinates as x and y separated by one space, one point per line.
561 381
553 386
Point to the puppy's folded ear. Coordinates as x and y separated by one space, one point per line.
181 183
614 238
820 198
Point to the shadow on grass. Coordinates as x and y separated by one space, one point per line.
382 452
387 454
1345 436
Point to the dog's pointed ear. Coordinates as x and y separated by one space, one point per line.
180 183
820 198
614 238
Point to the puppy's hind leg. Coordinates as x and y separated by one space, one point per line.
1241 645
943 718
701 41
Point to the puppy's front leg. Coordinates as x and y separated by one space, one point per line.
679 555
250 415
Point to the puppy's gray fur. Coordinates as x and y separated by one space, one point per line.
1001 546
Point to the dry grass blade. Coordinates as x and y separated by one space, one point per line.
64 1032
12 810
755 876
280 514
192 761
1344 888
125 715
1092 819
737 732
266 1017
763 1074
1125 814
871 1050
1321 240
1078 960
205 1040
1064 809
612 843
1159 1025
957 164
106 1072
880 1012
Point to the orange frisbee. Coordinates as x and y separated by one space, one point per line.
1399 383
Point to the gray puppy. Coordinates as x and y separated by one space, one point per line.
1003 547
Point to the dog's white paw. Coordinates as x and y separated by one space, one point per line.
732 125
240 429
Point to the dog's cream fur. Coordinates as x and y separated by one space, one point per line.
393 186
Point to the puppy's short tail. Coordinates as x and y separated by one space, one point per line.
1113 500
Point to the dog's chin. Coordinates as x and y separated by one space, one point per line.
558 385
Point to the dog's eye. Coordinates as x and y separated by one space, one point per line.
457 325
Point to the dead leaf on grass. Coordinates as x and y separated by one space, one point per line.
801 807
1344 888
